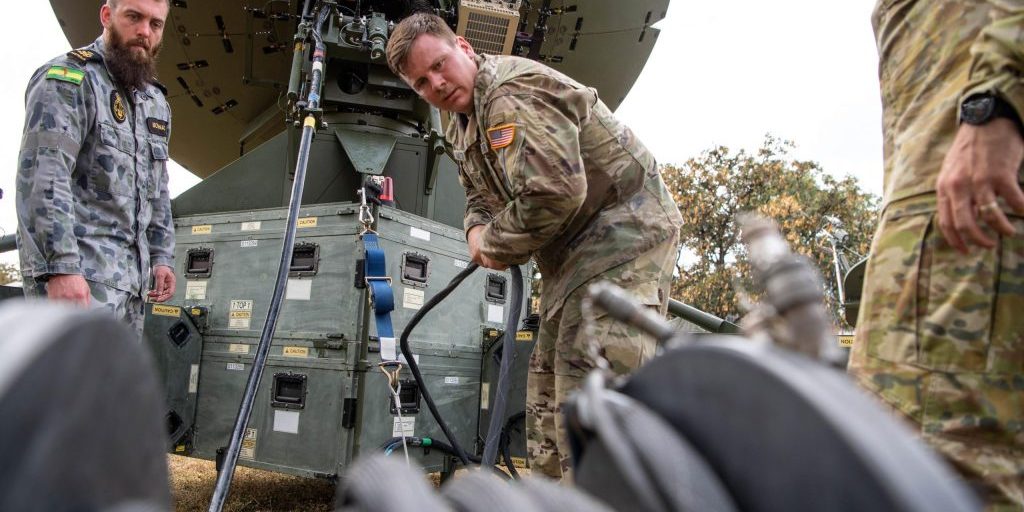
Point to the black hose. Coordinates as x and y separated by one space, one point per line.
427 443
503 382
415 368
223 485
506 441
508 348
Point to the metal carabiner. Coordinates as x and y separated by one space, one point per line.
365 214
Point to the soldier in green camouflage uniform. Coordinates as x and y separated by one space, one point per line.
94 213
940 337
551 174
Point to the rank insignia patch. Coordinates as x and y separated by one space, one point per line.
157 126
64 74
82 55
501 136
117 107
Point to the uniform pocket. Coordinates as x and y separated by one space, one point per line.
113 169
957 299
158 168
889 319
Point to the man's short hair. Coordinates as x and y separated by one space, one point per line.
408 30
113 3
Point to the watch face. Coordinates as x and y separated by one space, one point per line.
977 109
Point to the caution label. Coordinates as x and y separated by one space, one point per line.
205 229
845 340
519 462
240 314
306 222
248 450
524 336
296 351
160 309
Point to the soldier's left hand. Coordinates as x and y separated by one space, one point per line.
980 168
163 287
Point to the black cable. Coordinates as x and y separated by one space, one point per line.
223 484
508 354
506 441
503 382
415 369
434 443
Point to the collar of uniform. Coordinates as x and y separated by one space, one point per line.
99 47
482 82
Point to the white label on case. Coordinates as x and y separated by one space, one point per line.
419 233
495 313
451 380
407 426
286 421
299 289
250 243
252 226
412 298
193 379
195 290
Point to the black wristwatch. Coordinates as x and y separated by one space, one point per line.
981 108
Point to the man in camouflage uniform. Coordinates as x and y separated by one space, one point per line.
940 335
548 173
94 213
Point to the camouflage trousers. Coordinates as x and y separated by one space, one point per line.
940 339
559 360
125 306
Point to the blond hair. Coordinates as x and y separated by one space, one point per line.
406 32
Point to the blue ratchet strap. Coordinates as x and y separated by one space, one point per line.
381 297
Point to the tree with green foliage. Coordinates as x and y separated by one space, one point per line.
808 204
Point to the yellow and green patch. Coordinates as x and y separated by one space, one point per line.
62 73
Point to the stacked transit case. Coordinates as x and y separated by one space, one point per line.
322 400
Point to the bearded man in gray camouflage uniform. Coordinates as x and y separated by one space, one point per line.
94 214
549 173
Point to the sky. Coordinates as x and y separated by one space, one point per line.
725 72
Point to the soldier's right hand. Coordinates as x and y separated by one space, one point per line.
68 288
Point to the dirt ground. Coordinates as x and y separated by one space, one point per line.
252 490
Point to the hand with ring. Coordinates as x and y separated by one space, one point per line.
980 168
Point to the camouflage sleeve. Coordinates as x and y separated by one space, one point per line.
997 55
160 232
56 124
540 156
476 208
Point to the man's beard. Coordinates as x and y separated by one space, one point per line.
128 67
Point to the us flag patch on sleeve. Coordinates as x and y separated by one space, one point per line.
501 136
